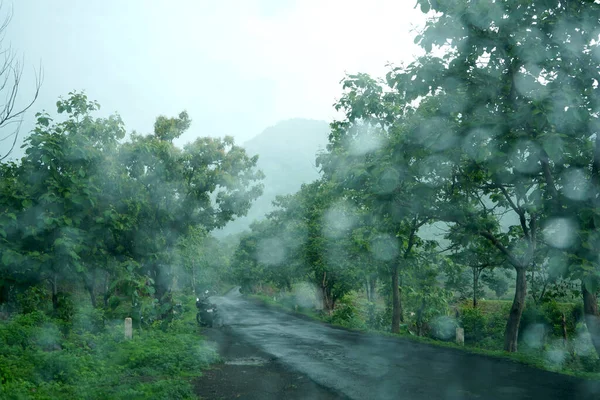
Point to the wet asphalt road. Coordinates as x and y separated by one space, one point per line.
362 366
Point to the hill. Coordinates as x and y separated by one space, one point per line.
287 153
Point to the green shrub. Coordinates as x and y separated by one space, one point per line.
65 310
58 366
533 315
377 319
494 328
21 329
474 323
346 314
89 319
40 361
590 363
33 299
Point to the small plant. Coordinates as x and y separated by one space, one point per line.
32 299
474 323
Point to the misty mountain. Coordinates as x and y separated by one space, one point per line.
287 154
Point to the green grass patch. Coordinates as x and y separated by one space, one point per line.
39 361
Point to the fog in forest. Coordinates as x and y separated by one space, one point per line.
370 200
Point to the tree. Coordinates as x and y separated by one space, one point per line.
495 282
206 184
487 116
372 161
58 236
82 205
478 256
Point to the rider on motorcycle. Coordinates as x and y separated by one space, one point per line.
206 311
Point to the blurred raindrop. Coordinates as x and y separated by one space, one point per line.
534 336
338 219
555 357
575 184
384 247
529 85
271 251
389 181
524 157
560 232
478 144
368 138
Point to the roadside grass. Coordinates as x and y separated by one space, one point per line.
552 356
40 359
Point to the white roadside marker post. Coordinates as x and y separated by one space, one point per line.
128 328
460 336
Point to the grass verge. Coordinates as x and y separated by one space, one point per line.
38 360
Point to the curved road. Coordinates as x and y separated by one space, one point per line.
362 366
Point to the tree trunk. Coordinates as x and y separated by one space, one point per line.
54 285
162 283
396 303
328 303
4 292
106 295
592 316
533 294
326 295
511 334
373 288
476 273
194 279
89 286
563 322
420 317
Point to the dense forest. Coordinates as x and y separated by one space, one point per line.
472 172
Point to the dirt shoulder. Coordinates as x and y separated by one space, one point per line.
248 373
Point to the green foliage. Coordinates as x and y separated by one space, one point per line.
377 319
84 207
65 310
474 323
347 313
39 361
495 282
34 298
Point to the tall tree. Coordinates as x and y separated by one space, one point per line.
206 184
372 161
518 82
58 235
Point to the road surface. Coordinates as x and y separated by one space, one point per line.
362 366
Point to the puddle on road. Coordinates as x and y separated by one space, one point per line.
253 361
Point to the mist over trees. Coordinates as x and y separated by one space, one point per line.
84 205
286 155
497 122
472 171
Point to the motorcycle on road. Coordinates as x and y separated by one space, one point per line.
207 312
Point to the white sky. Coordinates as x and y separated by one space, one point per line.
237 66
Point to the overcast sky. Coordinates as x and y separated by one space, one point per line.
236 66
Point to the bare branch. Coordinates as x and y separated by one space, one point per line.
11 73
